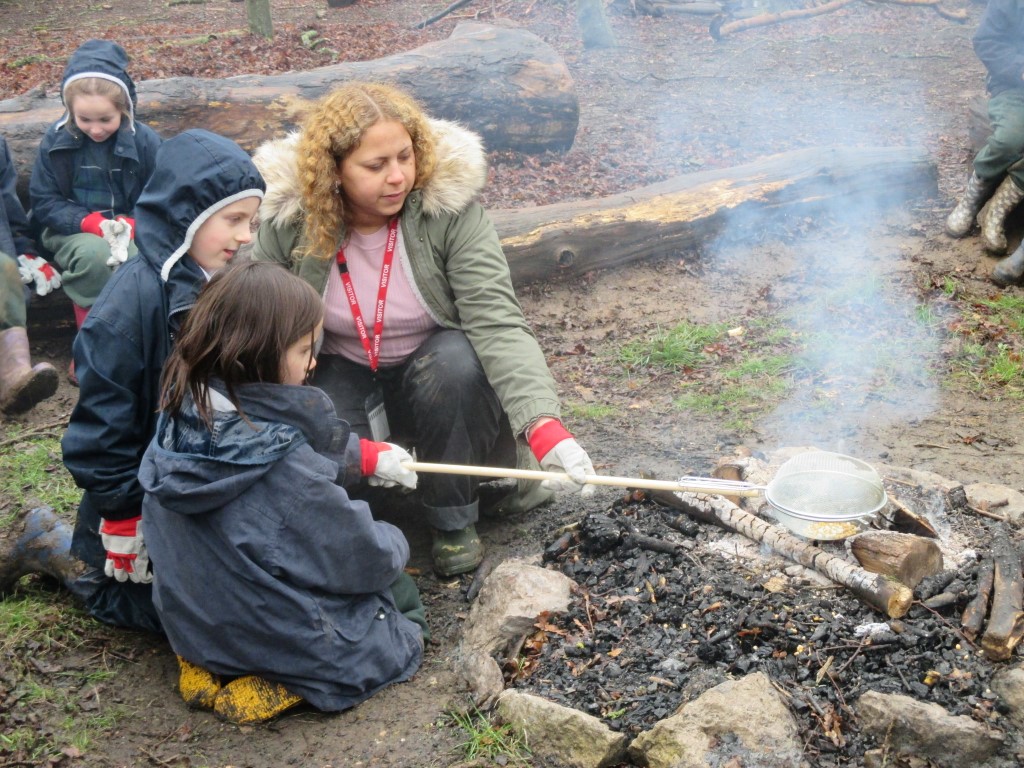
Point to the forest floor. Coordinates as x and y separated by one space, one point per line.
865 332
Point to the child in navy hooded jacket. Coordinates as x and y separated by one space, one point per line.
90 170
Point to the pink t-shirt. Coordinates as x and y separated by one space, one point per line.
407 323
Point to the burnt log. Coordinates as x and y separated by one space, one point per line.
877 590
506 84
905 557
567 240
974 614
1005 626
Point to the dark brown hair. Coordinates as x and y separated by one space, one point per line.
239 330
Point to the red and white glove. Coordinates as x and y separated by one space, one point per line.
129 221
91 224
126 551
35 269
557 451
382 465
118 234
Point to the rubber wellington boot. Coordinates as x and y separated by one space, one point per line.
993 215
961 220
456 552
251 699
22 385
198 686
1010 271
40 542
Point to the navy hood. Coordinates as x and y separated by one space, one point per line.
103 59
192 470
197 173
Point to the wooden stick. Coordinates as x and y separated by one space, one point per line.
720 30
695 485
880 592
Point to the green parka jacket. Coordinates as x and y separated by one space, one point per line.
456 261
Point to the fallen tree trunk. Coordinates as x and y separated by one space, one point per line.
570 239
506 84
880 592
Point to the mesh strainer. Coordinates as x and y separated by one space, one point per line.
814 485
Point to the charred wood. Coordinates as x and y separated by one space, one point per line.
974 614
1005 626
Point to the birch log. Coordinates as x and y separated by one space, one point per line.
879 591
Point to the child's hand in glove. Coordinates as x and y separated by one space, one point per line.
126 551
35 269
382 465
118 234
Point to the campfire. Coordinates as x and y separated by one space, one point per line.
672 599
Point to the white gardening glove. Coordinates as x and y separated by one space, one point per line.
127 557
35 269
557 451
382 465
118 234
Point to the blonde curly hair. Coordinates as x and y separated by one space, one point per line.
331 131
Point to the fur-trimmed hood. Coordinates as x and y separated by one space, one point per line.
460 174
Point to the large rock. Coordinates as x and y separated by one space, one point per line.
745 719
984 494
560 734
510 601
1008 684
925 730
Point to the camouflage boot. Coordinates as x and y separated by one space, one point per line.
961 220
993 215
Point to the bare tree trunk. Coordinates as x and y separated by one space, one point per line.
258 13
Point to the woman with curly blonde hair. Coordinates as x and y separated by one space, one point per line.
373 202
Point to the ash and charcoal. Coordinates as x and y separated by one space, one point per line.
660 617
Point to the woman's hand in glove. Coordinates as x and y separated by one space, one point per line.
557 451
382 464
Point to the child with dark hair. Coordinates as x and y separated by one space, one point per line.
290 590
90 170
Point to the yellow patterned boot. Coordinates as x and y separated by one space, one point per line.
251 699
198 687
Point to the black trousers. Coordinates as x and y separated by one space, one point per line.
440 403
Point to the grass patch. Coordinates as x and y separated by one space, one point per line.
588 411
32 473
990 355
44 620
677 349
485 740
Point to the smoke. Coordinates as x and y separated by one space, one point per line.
867 349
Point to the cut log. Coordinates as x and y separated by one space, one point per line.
506 84
877 590
905 557
1005 626
569 239
974 614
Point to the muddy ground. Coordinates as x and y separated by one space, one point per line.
875 294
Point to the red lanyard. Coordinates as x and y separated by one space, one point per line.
372 347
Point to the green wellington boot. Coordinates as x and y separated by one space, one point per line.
456 552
